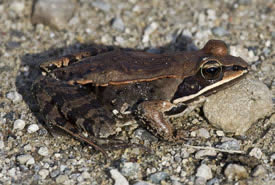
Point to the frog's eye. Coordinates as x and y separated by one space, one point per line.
211 70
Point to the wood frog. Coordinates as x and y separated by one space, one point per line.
79 92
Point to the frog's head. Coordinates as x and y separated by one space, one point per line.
215 69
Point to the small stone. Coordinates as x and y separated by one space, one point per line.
61 179
14 96
148 31
28 147
54 173
235 172
2 145
12 172
202 153
230 145
220 133
43 151
118 177
19 124
158 177
258 171
86 175
22 159
272 157
130 169
144 135
101 5
43 173
204 171
18 7
236 108
200 181
118 24
256 152
219 31
142 183
33 128
54 13
202 132
31 161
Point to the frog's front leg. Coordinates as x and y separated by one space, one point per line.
154 114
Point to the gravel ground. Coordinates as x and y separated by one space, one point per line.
30 155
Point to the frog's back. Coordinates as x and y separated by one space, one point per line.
121 67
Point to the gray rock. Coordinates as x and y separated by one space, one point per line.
142 183
236 108
230 145
19 124
33 128
118 24
43 173
204 171
14 96
101 5
54 173
202 153
202 132
157 177
43 151
256 152
17 7
258 171
23 159
144 135
235 172
62 179
130 169
219 31
118 177
12 45
54 13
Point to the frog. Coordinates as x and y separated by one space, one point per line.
78 93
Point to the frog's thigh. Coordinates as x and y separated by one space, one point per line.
152 113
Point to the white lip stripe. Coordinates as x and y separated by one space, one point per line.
186 98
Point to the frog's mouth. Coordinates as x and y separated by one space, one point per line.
193 87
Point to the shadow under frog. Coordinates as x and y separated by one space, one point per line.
79 91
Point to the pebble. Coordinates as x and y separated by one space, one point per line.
220 133
43 173
204 171
19 124
130 169
142 183
33 128
31 161
148 31
235 172
104 6
256 152
230 145
158 177
202 153
202 132
219 31
2 144
23 159
54 13
258 171
28 147
18 7
144 135
43 151
118 24
14 96
236 108
54 173
61 179
118 177
12 172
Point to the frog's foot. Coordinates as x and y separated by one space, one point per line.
72 58
152 114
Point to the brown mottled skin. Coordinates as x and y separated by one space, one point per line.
80 91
